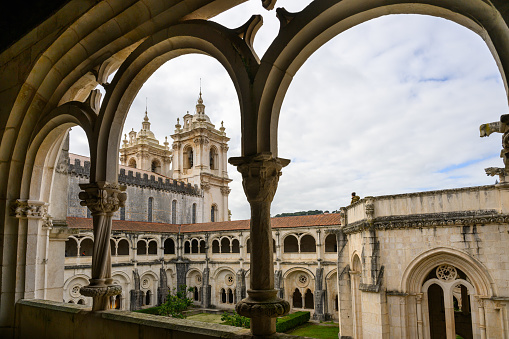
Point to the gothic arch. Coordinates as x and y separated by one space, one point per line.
193 271
294 45
296 269
194 36
415 273
220 270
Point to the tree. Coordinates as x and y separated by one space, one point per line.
176 303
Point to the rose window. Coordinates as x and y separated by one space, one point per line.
145 283
446 272
75 291
302 280
229 279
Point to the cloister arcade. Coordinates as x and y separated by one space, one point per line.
48 86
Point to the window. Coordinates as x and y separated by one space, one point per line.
149 213
225 245
187 247
174 212
213 213
188 158
309 300
202 246
235 246
122 213
132 163
330 243
169 246
142 247
155 166
194 246
215 246
291 244
71 248
123 247
213 160
152 247
86 247
193 214
297 299
307 244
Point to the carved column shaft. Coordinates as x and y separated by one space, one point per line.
260 176
103 199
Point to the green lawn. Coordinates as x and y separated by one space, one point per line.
316 331
207 318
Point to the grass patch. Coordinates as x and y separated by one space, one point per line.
150 310
316 331
207 318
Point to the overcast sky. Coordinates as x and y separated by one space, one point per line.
390 106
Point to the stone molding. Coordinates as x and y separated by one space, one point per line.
262 303
32 209
225 190
466 218
101 291
201 140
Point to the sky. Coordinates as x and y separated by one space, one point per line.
390 106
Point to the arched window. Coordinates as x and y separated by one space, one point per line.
202 246
81 302
291 245
193 214
188 158
225 245
309 300
149 212
118 302
132 163
330 243
194 246
297 299
212 158
215 246
196 295
71 248
235 246
123 247
113 247
213 213
248 245
155 166
152 247
122 213
169 246
142 247
273 246
307 244
230 296
86 247
174 212
148 297
223 296
187 247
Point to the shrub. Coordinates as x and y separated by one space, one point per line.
176 303
290 321
150 310
236 319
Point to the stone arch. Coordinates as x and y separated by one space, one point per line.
331 244
225 245
169 246
298 268
416 272
290 49
141 247
152 247
155 166
213 158
71 247
307 244
86 246
123 246
290 244
132 163
193 36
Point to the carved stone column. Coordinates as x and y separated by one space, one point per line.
260 176
103 199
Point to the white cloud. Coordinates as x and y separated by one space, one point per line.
390 106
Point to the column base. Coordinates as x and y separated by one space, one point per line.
262 306
101 294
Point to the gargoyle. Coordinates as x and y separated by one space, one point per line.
487 129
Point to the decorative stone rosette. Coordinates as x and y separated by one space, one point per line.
262 303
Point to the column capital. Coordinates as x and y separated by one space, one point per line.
102 197
262 303
260 175
32 209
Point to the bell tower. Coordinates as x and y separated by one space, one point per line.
142 151
200 158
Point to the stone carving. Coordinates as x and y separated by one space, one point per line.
201 140
446 272
32 210
102 197
501 126
205 186
262 303
225 190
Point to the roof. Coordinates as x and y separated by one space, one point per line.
153 227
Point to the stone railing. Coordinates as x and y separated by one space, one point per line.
462 206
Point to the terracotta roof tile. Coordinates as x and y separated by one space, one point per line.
142 226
